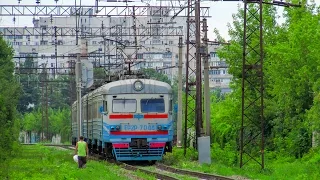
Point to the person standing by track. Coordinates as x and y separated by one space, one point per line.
82 151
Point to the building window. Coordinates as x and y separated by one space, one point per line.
43 42
156 41
216 71
213 54
52 64
139 56
167 55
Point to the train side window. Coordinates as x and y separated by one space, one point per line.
170 106
105 107
89 112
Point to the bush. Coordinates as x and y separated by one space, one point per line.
226 155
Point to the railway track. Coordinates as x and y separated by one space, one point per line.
191 173
158 174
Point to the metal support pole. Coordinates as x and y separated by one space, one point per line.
104 51
186 111
206 78
261 86
135 38
109 62
179 119
55 51
42 107
242 83
47 119
199 123
78 81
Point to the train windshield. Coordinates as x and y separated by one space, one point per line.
152 105
124 105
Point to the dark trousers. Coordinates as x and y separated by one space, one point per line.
82 160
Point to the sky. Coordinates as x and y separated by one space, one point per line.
220 12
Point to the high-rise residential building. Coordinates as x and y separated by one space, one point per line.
109 42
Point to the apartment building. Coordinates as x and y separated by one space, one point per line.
115 45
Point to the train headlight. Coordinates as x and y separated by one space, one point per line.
138 85
159 127
117 127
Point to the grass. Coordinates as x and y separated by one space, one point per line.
281 168
40 162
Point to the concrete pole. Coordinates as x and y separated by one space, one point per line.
198 109
78 82
206 79
179 119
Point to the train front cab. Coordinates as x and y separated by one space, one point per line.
138 126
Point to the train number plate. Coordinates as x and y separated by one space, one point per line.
149 127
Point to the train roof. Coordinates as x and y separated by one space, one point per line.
127 87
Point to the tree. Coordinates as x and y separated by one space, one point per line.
233 56
30 86
292 73
290 70
9 94
154 74
60 123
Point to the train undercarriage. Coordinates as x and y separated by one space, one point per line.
136 150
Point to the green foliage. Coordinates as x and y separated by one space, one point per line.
58 122
39 162
292 100
223 163
59 93
99 73
225 118
36 93
226 155
154 74
291 77
30 86
9 94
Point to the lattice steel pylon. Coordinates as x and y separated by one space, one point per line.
252 124
193 112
